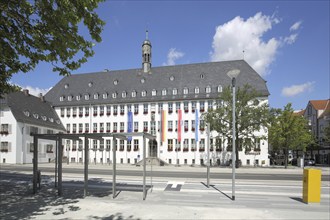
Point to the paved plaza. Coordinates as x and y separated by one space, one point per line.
174 198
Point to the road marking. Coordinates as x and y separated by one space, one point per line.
173 186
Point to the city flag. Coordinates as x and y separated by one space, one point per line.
179 124
129 124
163 125
196 125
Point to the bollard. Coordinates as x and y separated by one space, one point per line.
312 185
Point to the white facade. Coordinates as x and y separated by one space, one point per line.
99 119
16 143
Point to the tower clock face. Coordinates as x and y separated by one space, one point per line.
146 49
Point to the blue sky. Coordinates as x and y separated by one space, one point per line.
287 42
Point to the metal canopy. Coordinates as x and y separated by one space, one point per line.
98 136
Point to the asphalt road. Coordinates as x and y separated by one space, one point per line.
174 174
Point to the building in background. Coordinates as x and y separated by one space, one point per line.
317 114
165 101
20 115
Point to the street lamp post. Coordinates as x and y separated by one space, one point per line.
233 74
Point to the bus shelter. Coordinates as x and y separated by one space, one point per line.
96 136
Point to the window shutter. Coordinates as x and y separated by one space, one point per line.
9 146
9 129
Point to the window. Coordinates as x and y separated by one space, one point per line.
129 108
185 145
208 89
201 106
122 126
196 90
202 145
101 110
74 111
170 145
170 107
114 95
108 145
185 106
124 94
115 82
5 129
5 146
94 144
177 106
95 110
108 110
170 125
122 109
160 107
74 145
134 94
175 91
186 125
61 98
129 145
96 96
193 106
86 111
101 127
185 91
90 84
68 112
145 109
202 125
80 146
193 145
108 127
80 128
121 145
86 127
136 144
163 92
105 95
154 92
101 145
143 93
74 128
219 88
136 126
145 126
67 128
115 127
87 97
62 112
115 110
94 127
136 109
81 111
210 104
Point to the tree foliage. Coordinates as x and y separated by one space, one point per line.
46 30
251 117
288 131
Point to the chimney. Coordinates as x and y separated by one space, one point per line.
26 92
41 97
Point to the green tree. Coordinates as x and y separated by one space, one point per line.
288 131
46 30
251 117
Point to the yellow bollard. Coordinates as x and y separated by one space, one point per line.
312 185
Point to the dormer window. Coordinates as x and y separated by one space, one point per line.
143 93
35 115
115 82
154 92
26 113
44 118
66 86
134 94
90 84
208 89
70 98
105 95
51 119
175 91
164 92
96 96
78 97
114 95
124 94
87 97
58 122
171 78
185 91
196 90
219 88
62 98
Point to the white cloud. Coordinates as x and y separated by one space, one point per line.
295 26
172 56
291 39
297 89
35 90
238 35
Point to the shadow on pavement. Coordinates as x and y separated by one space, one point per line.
18 202
298 200
218 190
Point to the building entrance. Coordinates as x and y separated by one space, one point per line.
153 146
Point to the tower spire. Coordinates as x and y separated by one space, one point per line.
146 54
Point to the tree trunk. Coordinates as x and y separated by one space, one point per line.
286 158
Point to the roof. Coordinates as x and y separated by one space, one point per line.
299 112
29 109
201 75
326 111
319 104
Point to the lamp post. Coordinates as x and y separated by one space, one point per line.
233 74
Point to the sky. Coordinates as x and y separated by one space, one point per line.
286 42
